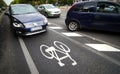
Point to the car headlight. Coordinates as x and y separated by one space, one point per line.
45 20
49 12
17 24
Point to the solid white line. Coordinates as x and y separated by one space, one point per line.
28 57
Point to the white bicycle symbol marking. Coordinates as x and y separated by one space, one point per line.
51 52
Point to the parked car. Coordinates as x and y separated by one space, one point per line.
26 20
49 10
100 15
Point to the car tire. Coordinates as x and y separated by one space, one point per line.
73 26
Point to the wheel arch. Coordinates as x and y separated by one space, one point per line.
75 20
67 22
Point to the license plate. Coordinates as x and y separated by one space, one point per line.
36 28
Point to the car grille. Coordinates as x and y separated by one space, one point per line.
57 12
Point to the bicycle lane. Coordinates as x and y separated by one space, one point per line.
80 60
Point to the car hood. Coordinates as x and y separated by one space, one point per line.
34 17
53 10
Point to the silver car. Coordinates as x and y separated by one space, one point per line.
49 10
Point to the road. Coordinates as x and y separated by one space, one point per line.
59 51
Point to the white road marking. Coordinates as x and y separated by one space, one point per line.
103 47
51 23
28 57
53 52
56 27
72 34
87 48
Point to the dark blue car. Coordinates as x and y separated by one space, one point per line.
26 20
100 15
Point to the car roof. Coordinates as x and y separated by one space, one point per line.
45 4
97 2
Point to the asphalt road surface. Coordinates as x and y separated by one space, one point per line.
59 51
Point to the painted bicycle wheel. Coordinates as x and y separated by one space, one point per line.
47 54
61 46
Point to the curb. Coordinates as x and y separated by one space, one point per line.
1 15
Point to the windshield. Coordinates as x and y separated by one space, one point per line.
49 6
23 9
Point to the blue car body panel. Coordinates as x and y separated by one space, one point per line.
25 18
94 19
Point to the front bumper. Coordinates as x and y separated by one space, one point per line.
54 14
27 31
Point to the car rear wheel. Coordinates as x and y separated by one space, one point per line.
73 26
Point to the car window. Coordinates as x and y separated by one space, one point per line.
49 6
78 7
108 8
41 7
86 7
22 9
118 9
89 4
89 7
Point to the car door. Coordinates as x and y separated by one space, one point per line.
81 12
107 18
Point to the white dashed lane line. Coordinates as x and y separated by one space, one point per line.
56 27
70 34
103 47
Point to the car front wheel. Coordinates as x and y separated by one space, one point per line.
73 26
